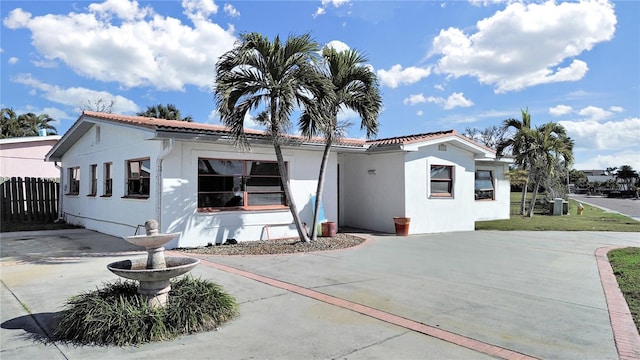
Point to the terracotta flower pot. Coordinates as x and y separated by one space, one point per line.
329 229
402 225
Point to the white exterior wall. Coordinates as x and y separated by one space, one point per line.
180 188
430 214
110 215
499 208
370 201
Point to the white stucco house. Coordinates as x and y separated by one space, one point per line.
119 171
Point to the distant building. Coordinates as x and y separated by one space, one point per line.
597 175
24 157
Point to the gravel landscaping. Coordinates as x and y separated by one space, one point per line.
279 246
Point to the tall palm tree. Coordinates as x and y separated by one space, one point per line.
356 87
168 112
275 78
9 125
31 123
549 149
517 143
627 175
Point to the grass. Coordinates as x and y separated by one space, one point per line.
592 219
626 266
117 315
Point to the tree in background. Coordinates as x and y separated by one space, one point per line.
627 175
28 124
517 144
276 77
491 136
99 105
168 112
578 178
355 87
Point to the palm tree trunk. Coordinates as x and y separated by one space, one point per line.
287 191
523 201
320 188
533 198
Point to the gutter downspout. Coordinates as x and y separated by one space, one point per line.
60 194
159 161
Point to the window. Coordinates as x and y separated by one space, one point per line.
441 181
74 181
94 180
484 185
239 184
108 179
138 178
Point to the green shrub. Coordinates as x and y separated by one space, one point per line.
117 315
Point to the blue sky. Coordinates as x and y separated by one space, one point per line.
441 64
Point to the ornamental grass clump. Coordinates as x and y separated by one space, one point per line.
117 315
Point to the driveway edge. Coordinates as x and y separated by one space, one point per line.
625 333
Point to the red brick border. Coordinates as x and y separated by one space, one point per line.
437 333
625 333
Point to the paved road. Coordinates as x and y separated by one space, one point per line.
629 207
510 294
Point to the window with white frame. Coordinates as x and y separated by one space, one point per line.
441 181
138 177
74 181
484 186
108 179
239 184
94 180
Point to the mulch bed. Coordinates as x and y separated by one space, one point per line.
279 246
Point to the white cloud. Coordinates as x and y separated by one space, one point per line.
594 113
74 96
526 44
454 100
438 87
323 9
603 161
337 45
415 99
560 110
397 76
616 109
119 41
611 135
13 60
420 113
486 2
231 11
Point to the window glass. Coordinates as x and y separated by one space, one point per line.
138 177
108 179
484 185
94 180
441 181
74 180
239 183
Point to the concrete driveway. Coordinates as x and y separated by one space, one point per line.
467 295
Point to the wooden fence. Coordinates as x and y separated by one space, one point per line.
29 199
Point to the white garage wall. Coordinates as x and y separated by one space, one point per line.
371 200
500 207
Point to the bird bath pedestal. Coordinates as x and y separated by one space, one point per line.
154 273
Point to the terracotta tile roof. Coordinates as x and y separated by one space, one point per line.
185 126
409 139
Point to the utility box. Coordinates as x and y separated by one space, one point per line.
558 206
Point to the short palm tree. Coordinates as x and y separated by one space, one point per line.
517 143
549 148
274 78
356 88
168 112
28 124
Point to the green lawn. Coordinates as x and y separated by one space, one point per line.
592 219
626 266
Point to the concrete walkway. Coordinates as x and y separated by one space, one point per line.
471 295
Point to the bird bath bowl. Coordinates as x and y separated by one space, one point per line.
155 272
